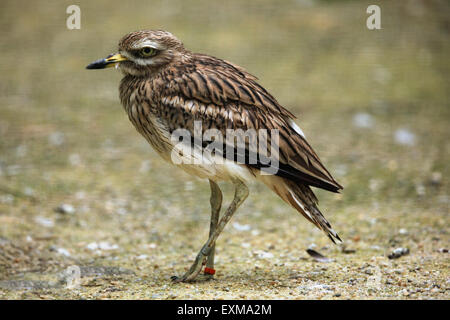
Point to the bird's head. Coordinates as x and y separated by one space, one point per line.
143 52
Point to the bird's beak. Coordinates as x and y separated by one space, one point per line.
110 61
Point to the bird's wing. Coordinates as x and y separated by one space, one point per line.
212 80
223 96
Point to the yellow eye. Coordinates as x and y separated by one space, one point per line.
147 52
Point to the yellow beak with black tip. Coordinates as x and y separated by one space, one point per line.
110 61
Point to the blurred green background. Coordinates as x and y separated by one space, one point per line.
373 103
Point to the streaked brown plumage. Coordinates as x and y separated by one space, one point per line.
166 87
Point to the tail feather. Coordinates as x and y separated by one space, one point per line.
303 200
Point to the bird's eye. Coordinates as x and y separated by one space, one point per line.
147 52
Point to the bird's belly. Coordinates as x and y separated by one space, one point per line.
204 165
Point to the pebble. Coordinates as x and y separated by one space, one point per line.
102 245
405 137
263 254
405 292
65 209
346 250
241 227
398 252
21 150
7 199
28 191
315 287
61 251
45 222
56 138
317 256
436 178
145 166
363 120
75 159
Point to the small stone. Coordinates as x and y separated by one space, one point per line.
102 245
145 166
398 252
75 159
346 250
241 227
405 137
436 178
63 252
318 257
363 120
264 254
56 138
420 190
45 222
21 150
92 246
405 292
65 209
28 191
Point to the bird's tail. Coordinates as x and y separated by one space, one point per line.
302 199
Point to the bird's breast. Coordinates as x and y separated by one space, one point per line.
142 112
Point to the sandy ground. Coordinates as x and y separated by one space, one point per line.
266 260
89 211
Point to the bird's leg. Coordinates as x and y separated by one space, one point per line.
241 193
216 204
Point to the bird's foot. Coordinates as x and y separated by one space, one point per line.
196 267
205 277
199 278
193 272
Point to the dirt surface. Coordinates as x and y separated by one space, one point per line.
89 211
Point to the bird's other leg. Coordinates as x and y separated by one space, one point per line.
216 204
241 193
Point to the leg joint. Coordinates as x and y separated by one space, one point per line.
205 250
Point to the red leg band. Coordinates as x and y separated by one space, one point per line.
210 271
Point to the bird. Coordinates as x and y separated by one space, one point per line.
169 91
